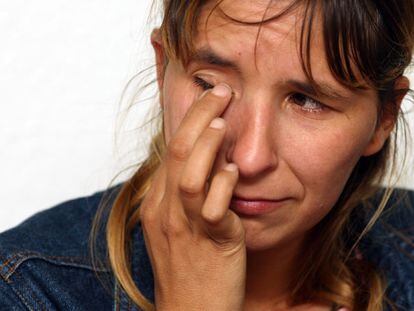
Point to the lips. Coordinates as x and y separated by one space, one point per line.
254 207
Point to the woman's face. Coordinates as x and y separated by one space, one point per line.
287 142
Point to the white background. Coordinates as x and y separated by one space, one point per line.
63 67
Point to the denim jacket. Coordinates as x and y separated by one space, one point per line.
45 262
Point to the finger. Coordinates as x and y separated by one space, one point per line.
222 224
155 192
193 181
210 105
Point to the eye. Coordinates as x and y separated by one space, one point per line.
203 84
306 103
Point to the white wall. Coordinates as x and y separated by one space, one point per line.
63 66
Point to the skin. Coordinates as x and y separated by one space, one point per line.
281 149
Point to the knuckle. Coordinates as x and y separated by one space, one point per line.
189 187
178 149
144 215
172 227
148 218
211 218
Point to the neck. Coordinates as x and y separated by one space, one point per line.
270 272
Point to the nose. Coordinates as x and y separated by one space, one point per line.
253 139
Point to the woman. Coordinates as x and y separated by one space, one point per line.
277 118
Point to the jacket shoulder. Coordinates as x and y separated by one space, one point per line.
60 233
45 261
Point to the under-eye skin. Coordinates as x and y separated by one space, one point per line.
306 103
201 83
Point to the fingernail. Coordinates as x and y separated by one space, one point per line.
217 123
231 167
221 90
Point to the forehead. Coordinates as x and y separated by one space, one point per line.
234 30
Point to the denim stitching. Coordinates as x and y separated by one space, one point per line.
22 299
116 294
28 254
20 278
75 261
39 302
7 261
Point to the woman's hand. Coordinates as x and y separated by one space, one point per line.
195 243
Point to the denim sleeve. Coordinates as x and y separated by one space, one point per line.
9 300
389 246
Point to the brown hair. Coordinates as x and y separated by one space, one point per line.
365 40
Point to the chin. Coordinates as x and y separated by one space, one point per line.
261 237
258 238
260 244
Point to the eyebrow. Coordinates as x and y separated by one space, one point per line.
208 56
324 89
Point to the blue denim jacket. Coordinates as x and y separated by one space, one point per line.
45 262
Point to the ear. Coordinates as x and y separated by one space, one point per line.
387 122
160 59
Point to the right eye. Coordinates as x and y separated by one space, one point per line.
203 84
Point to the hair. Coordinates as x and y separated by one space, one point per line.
368 41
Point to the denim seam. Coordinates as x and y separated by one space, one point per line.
14 262
116 293
19 294
118 304
29 292
5 276
22 299
31 255
6 262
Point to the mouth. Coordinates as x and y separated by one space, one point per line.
255 206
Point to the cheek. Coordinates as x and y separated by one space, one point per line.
178 94
324 159
330 155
